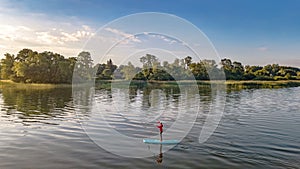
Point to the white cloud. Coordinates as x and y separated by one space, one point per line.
263 48
47 38
167 39
67 37
127 38
118 32
86 28
11 32
75 36
39 32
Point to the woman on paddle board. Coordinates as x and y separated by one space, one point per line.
160 127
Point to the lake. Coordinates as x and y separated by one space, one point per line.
44 128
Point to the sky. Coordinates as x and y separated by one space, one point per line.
255 32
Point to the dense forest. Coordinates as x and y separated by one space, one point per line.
29 66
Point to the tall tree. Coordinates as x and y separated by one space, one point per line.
187 61
6 66
84 66
150 64
24 67
233 70
148 60
238 70
199 71
129 71
105 71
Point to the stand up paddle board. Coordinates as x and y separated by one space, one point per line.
154 141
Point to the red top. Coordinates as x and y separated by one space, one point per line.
160 126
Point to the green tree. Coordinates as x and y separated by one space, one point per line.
177 70
45 67
105 71
272 69
199 71
298 75
7 65
139 76
109 69
148 60
129 71
84 66
227 68
118 74
150 65
238 70
187 61
233 70
24 65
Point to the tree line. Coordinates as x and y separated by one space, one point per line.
186 69
30 66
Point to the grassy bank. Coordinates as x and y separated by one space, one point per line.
10 83
207 82
262 84
229 84
124 83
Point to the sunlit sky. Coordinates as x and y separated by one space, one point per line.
255 32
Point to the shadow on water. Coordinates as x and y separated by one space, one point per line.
34 104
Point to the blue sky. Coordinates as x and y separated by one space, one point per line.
250 31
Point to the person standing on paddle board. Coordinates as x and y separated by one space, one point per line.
160 127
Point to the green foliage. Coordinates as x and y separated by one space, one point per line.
139 76
188 61
84 67
204 69
105 71
33 67
236 71
47 67
298 75
7 65
148 60
233 70
129 71
199 71
161 75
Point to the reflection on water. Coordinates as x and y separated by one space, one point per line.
151 93
160 155
40 128
34 105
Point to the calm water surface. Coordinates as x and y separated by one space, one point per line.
260 128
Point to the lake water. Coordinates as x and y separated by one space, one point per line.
42 128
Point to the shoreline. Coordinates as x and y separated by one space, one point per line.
230 83
33 85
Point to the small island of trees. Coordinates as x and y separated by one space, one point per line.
30 66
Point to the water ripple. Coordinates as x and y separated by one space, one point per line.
259 129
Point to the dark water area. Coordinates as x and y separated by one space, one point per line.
42 128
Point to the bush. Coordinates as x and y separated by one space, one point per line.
280 78
263 78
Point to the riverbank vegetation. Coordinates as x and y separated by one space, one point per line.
37 86
30 66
